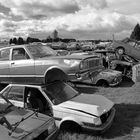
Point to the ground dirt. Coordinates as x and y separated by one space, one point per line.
126 125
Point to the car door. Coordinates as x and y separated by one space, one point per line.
4 65
15 94
22 66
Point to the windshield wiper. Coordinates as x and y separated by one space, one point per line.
18 123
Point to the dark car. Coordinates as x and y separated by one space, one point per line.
23 124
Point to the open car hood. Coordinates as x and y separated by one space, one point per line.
94 105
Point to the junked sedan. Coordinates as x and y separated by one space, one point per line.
39 64
70 108
23 124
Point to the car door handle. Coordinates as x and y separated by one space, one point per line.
12 63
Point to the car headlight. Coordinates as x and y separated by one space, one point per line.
71 63
97 121
115 79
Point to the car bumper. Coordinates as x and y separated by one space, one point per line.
102 128
53 135
86 76
80 77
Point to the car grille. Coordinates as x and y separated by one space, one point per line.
105 116
93 62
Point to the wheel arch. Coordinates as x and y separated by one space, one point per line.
70 119
54 73
120 47
100 81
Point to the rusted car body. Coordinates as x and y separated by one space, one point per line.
70 108
39 64
124 63
23 124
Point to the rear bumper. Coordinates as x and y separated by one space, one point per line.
105 126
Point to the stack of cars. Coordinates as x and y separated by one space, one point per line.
39 64
38 80
127 56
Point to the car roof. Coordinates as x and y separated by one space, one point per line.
13 46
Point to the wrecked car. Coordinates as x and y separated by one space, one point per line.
39 64
71 109
101 76
123 63
126 46
23 124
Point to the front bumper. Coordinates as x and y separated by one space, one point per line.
102 128
80 77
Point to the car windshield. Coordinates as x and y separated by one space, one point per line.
59 92
40 51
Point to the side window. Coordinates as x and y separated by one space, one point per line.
19 54
4 54
16 93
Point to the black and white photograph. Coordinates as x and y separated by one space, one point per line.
69 70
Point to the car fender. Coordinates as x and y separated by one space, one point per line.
70 118
55 73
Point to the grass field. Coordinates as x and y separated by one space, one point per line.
126 125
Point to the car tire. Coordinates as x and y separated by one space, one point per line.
70 126
102 83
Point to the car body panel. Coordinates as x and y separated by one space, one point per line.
96 104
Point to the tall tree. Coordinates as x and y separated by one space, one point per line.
136 33
20 41
11 41
15 40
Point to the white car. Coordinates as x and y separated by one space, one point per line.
70 108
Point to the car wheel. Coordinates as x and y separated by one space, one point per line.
120 50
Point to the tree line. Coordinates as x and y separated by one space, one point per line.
20 40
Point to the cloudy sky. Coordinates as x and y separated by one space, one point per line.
80 19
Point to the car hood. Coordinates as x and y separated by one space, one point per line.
27 126
94 105
110 72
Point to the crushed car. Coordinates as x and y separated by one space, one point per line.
18 123
123 63
71 109
39 64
